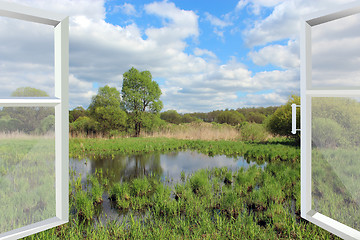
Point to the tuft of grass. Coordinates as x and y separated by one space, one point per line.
84 206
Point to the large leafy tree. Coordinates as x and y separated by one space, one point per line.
105 108
141 95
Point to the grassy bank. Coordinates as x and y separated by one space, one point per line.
207 204
259 151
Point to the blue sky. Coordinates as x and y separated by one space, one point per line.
205 54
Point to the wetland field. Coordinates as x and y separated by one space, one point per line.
160 188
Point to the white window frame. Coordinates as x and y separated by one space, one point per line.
307 92
59 101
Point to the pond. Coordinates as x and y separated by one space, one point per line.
166 165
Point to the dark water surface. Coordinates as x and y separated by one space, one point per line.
166 165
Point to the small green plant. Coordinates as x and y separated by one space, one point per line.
96 190
84 205
199 183
140 187
120 193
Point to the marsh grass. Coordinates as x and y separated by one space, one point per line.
259 203
27 179
201 207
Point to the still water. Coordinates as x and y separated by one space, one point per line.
166 165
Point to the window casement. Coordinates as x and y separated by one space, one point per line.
330 120
34 171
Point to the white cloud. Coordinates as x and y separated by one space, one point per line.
284 21
204 52
217 22
180 25
278 55
128 9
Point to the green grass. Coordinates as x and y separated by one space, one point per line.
27 179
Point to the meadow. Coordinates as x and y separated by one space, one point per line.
27 178
216 203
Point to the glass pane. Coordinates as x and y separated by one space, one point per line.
26 57
336 158
336 54
27 166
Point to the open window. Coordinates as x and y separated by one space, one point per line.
34 144
330 120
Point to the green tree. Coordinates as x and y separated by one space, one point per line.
281 121
105 109
230 117
84 125
30 117
76 113
140 95
171 116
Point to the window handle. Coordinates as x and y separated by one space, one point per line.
293 119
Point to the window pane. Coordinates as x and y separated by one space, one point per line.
26 56
27 166
335 54
336 159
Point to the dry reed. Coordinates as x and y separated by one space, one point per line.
25 136
199 131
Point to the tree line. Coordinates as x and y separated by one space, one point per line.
135 109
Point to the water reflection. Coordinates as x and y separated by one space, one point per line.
122 168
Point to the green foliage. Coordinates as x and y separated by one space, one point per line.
140 95
326 133
29 92
152 122
255 117
230 117
47 124
8 124
28 119
342 114
76 113
105 109
280 122
253 132
85 125
171 116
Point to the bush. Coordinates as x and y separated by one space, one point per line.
253 131
280 122
230 117
84 124
326 133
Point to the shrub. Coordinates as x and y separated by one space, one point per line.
326 133
280 122
253 131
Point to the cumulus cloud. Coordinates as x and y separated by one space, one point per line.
101 52
284 21
284 56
